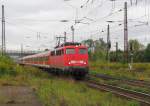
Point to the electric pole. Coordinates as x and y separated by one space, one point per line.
108 42
65 37
125 33
136 2
3 32
58 41
116 51
72 29
21 55
38 35
131 2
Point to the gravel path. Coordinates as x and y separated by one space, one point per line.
18 96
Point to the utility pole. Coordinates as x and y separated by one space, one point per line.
72 29
108 42
136 2
131 2
21 55
65 37
116 51
3 32
38 35
58 41
125 33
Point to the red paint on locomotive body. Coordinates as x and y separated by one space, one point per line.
69 58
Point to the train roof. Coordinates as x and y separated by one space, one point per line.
68 44
46 53
39 54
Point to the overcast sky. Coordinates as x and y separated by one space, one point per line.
25 18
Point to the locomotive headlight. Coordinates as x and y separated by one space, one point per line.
77 62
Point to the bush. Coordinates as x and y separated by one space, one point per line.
7 66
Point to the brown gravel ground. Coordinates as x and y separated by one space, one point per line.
18 96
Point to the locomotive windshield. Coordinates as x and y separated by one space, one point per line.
82 51
70 51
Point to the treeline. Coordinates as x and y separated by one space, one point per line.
136 52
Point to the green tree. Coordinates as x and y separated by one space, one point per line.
88 42
100 45
147 53
99 49
136 48
117 57
135 45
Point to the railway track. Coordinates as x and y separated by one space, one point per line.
139 83
131 94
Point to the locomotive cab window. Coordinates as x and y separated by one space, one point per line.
82 51
62 51
70 51
58 52
52 53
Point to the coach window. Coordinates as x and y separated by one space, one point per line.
58 52
52 53
82 51
62 51
40 59
70 51
36 59
46 58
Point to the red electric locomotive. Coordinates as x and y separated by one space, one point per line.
67 58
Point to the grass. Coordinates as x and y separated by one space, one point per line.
67 93
53 91
140 71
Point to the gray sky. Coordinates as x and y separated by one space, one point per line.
25 18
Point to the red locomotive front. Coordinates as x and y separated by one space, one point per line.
76 59
70 58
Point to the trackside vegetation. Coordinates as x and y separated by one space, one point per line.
56 91
139 71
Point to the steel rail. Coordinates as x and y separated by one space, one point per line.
129 81
131 94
